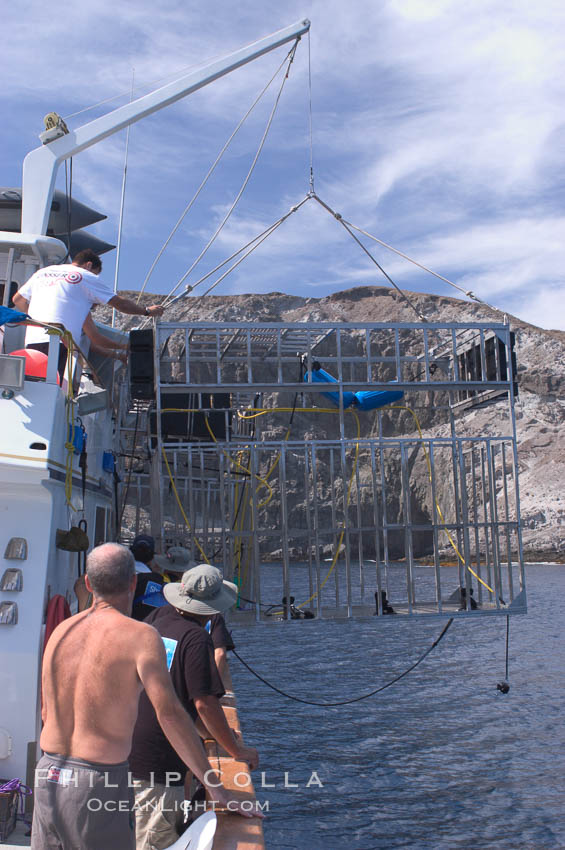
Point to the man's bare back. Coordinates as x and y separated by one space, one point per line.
91 684
94 668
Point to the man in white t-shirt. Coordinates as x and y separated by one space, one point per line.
64 294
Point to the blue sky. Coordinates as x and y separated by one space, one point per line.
437 127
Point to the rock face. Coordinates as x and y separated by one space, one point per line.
540 406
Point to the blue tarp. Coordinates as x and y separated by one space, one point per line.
7 315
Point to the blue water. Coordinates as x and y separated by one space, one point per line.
440 760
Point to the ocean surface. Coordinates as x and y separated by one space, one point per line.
441 760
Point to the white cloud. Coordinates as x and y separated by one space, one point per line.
437 126
543 306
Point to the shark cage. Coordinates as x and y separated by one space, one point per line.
331 471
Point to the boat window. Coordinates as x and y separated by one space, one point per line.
101 525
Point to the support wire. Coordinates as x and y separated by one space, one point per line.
338 217
222 224
209 174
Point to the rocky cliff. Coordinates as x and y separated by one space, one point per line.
540 406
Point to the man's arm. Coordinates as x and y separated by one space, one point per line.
173 719
101 343
126 305
20 302
221 659
210 712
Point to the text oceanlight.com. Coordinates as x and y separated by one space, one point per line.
97 805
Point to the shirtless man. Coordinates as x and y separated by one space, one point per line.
95 666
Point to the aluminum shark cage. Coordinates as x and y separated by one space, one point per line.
310 503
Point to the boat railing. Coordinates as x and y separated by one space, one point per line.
92 365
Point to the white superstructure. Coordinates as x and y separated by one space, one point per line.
33 505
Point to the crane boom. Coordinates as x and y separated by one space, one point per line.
41 165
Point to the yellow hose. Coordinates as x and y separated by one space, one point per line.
174 486
438 508
263 481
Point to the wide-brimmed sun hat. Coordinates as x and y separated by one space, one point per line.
202 590
176 560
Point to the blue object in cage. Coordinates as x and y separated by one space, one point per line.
320 376
363 399
371 399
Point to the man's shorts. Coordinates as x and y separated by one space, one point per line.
159 814
82 805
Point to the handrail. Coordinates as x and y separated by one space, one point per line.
58 331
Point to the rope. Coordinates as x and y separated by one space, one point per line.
130 471
184 516
438 508
333 410
504 686
466 292
263 482
255 242
507 642
16 786
208 175
68 200
338 218
220 227
355 699
310 116
69 444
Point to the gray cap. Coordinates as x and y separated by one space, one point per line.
202 590
177 560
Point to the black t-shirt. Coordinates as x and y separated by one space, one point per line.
219 632
190 659
148 595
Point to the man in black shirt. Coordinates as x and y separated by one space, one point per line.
150 583
223 643
157 771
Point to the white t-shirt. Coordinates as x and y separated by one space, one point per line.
62 294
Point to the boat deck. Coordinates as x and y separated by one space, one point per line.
233 832
19 837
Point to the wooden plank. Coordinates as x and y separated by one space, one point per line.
233 831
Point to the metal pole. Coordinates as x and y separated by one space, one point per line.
123 195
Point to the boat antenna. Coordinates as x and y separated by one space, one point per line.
122 199
69 201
